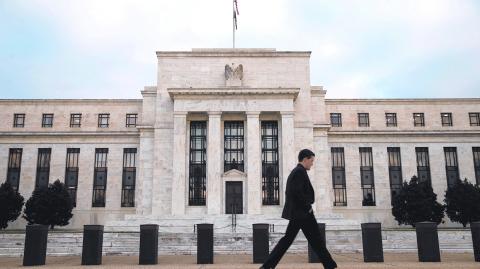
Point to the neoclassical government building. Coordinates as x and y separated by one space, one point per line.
219 134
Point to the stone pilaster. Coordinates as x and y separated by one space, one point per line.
214 187
179 181
254 184
288 148
143 197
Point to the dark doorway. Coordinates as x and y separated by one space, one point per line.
233 197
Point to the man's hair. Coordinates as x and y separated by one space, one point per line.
305 153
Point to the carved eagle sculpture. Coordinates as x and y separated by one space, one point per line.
231 73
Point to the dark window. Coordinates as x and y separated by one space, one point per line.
418 119
103 120
131 120
47 120
476 163
270 175
197 186
423 165
71 173
14 165
75 119
363 120
446 119
100 177
451 165
336 119
391 119
366 176
128 177
43 167
474 119
233 145
394 171
338 177
18 120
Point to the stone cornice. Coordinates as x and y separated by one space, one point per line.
414 133
109 133
408 101
175 92
147 92
230 52
62 101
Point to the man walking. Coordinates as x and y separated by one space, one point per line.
299 197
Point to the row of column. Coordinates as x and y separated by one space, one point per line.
252 158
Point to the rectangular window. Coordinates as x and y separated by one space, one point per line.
43 167
14 165
197 185
233 145
338 177
103 120
75 119
131 120
423 165
363 120
129 177
451 165
394 171
71 173
100 177
391 119
270 167
336 119
18 120
474 119
366 176
47 120
418 119
446 119
476 163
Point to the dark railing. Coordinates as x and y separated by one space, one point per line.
234 217
368 196
128 197
98 199
340 195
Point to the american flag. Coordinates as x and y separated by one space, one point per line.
235 12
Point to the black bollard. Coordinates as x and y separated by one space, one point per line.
427 241
312 256
260 242
92 244
148 244
204 243
35 250
475 228
372 242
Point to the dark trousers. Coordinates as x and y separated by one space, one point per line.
310 229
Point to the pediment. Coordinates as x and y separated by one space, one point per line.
234 173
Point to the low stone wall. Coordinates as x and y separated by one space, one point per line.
63 243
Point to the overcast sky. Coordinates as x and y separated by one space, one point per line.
360 49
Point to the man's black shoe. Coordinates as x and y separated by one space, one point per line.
332 266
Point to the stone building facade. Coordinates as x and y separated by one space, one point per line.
220 133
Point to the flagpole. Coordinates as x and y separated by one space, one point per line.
233 20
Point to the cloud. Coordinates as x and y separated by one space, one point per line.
359 48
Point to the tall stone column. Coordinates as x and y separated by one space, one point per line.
254 162
289 158
213 163
143 197
179 181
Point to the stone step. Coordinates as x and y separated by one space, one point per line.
127 243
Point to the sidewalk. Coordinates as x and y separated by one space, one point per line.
300 261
